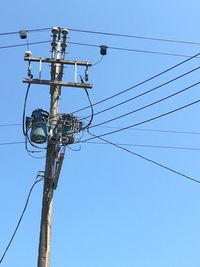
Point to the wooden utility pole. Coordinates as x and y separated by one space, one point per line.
52 153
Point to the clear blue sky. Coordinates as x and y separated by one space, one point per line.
110 208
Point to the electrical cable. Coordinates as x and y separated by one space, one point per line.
114 127
131 50
148 146
135 145
98 46
24 110
11 124
140 83
92 112
145 121
74 150
25 132
134 36
109 34
12 143
19 45
32 30
154 130
147 159
146 92
146 106
97 62
21 217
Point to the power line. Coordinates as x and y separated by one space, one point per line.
97 46
109 34
10 125
140 83
147 146
129 144
153 130
145 158
115 127
131 50
32 30
12 143
145 121
19 45
146 92
146 106
21 217
134 36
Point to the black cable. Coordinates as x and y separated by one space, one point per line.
131 50
145 158
146 106
19 45
134 36
112 127
153 130
135 145
97 62
146 92
11 124
142 122
148 146
25 131
20 219
24 110
17 32
12 143
140 83
98 46
92 112
109 34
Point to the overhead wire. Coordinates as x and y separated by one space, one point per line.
115 127
153 130
24 110
20 45
134 36
131 49
146 106
145 158
21 217
127 144
98 46
92 112
147 146
109 34
145 121
146 92
140 83
30 30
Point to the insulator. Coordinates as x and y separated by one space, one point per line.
65 31
103 50
23 34
55 30
28 54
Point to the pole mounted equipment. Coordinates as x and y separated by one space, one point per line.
55 129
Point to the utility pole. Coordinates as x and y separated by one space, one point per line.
51 156
58 135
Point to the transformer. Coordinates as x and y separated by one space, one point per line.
39 126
